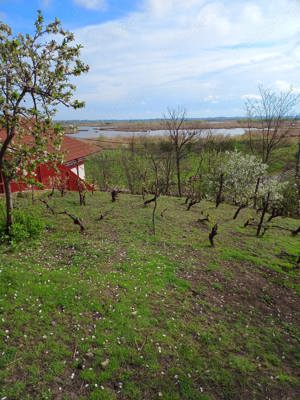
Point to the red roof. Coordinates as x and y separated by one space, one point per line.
71 147
75 148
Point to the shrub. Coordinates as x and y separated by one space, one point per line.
291 200
26 225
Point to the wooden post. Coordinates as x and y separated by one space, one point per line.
77 167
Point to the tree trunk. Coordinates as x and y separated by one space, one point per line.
168 175
178 175
114 195
167 185
275 214
262 217
9 203
238 210
153 215
151 200
191 204
255 193
220 191
213 233
32 194
297 172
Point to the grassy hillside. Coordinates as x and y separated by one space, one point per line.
117 313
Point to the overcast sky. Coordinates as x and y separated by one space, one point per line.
148 55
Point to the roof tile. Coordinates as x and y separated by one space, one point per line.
72 148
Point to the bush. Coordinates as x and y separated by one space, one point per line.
291 201
26 225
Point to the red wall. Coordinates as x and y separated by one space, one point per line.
45 174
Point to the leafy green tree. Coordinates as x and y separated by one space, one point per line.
36 74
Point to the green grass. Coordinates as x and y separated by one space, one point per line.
118 313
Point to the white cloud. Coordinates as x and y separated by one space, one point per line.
46 3
91 4
253 13
163 8
284 86
212 98
250 96
178 52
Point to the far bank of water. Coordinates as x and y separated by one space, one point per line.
91 132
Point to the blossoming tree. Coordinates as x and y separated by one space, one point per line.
270 194
35 78
242 173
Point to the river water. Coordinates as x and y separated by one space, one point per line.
92 132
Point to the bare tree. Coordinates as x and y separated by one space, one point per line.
155 167
82 191
213 233
59 182
180 137
105 170
156 182
167 160
76 220
272 113
133 169
114 195
263 213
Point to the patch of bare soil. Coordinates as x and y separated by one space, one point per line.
242 287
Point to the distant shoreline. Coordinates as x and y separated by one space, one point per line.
156 125
144 126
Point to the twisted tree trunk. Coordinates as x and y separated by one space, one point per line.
213 233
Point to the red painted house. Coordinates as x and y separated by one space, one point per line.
71 171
